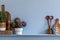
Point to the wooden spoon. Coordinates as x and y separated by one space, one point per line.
50 27
47 18
51 18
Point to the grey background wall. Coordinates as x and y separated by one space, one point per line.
33 12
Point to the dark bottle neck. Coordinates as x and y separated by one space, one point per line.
3 8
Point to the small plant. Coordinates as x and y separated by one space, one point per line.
18 24
2 17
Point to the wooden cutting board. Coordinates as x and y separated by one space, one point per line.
6 32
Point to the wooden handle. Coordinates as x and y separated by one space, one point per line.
47 18
51 17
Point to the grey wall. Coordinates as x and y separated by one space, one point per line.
33 12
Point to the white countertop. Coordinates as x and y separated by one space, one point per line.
40 35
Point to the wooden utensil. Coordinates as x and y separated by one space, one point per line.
50 25
49 20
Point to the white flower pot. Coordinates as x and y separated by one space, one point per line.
2 26
18 31
2 29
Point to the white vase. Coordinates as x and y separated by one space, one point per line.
18 31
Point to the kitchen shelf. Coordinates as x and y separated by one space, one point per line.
40 35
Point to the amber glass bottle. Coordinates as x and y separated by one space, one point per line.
8 18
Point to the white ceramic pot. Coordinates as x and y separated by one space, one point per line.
2 29
18 31
2 26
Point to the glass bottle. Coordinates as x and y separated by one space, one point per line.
55 28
